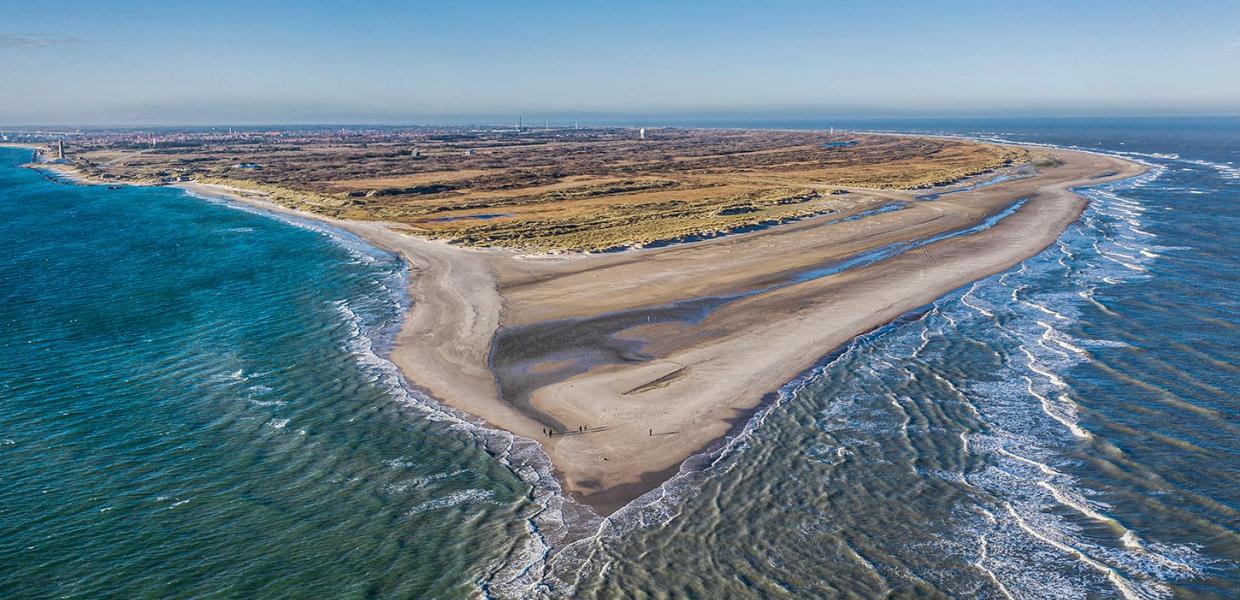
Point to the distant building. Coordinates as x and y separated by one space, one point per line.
641 133
56 158
249 166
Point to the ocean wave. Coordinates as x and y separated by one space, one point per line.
1225 170
450 500
1031 512
965 300
1159 155
1016 440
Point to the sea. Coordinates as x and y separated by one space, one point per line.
195 402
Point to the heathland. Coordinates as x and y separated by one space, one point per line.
550 190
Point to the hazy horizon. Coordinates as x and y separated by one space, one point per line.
162 64
877 123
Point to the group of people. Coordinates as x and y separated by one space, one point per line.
547 431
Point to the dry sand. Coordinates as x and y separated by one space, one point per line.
691 381
686 341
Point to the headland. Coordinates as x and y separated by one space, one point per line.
628 304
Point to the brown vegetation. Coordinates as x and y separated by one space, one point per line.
553 190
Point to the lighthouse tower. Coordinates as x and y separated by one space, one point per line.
60 149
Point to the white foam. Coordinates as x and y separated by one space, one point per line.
1225 170
965 300
1159 155
1049 351
983 557
1122 585
1064 415
1036 366
453 499
1054 336
1046 310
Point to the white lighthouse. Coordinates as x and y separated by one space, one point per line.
641 133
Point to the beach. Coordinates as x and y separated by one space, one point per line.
1057 427
878 300
622 365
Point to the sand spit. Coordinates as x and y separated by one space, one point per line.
668 349
640 359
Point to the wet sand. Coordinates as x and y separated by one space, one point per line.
661 352
693 370
678 345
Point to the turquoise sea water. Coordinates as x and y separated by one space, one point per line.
193 404
189 404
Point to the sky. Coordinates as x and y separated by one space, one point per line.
223 62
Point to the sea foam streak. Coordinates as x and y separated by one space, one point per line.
1014 444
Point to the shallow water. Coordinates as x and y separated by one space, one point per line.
192 404
189 403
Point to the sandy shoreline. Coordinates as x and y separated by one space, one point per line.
608 341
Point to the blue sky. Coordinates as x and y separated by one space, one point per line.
169 62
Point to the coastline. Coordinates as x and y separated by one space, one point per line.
728 364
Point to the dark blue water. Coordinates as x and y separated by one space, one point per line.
192 404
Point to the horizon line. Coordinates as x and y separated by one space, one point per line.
619 120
